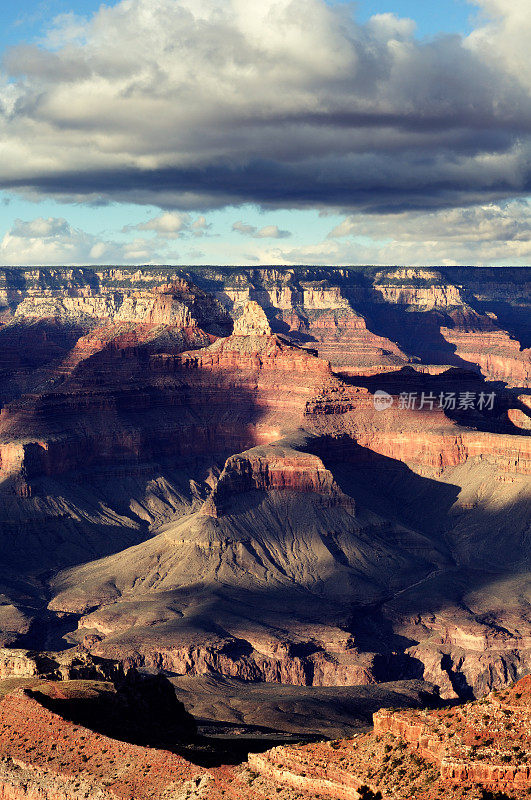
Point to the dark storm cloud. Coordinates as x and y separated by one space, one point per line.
204 103
367 182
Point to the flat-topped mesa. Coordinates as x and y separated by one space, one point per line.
276 467
252 322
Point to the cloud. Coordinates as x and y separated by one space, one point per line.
172 225
198 104
42 227
50 241
494 234
244 229
487 223
268 232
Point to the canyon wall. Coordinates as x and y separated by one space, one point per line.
342 310
236 406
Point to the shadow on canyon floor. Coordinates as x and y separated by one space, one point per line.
456 380
512 318
417 333
387 486
213 721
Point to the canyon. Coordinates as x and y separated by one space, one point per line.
66 737
453 752
259 475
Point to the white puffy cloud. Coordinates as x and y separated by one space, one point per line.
494 234
267 232
53 241
41 227
172 225
202 103
504 37
494 222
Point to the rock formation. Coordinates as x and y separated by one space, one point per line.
184 492
253 321
67 739
68 761
454 751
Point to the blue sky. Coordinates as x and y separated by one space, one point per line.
432 18
358 221
26 19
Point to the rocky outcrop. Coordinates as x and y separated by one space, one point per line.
180 304
401 287
272 661
69 665
130 399
498 356
275 468
286 767
17 664
452 752
68 761
521 417
343 311
472 744
252 322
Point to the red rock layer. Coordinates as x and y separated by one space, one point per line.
53 759
425 439
275 468
341 336
451 752
484 743
479 341
289 767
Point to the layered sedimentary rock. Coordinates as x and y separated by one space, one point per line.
362 319
422 754
270 479
484 743
479 340
410 753
253 321
176 303
276 468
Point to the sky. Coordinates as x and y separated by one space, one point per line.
272 132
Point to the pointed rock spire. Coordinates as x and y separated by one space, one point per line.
253 321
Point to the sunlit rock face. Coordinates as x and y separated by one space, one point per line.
201 457
459 752
252 322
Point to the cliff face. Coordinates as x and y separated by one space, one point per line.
198 476
353 328
276 468
134 402
344 312
476 743
454 752
178 303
